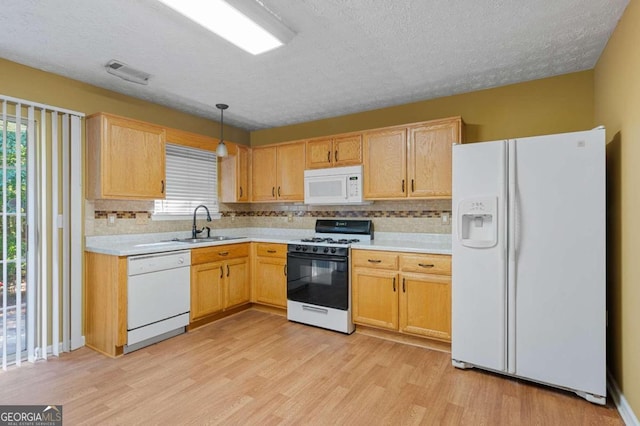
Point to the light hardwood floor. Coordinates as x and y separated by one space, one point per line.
258 368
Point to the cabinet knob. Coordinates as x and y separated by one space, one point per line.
402 185
403 287
412 186
271 251
223 253
426 265
285 270
336 156
240 191
278 191
394 284
374 260
227 270
162 189
221 272
328 156
273 191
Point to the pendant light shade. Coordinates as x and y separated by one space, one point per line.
221 150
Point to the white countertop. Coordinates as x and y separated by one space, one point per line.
134 244
413 243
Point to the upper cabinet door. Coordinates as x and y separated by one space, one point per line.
263 174
334 151
429 159
347 150
291 172
243 171
233 173
319 153
125 159
385 170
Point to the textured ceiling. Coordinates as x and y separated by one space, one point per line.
348 55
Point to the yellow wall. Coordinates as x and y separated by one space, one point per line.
551 105
617 106
38 86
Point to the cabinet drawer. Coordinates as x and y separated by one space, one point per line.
375 259
215 253
271 250
426 263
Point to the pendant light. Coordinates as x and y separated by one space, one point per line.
221 150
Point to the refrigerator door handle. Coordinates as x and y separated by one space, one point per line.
512 254
502 223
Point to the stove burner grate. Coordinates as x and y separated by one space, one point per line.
330 240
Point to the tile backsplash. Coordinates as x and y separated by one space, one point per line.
134 217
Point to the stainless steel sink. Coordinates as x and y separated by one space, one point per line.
213 238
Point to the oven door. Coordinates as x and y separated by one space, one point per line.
321 280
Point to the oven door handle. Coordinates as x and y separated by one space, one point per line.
312 256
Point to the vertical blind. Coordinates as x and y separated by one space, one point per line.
42 198
192 179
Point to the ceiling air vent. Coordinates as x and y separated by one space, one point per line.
126 72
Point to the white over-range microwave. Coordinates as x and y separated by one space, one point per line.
337 185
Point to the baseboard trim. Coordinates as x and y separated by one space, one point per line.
406 339
627 414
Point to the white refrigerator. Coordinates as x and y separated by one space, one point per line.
528 265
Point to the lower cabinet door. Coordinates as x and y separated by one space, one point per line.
375 297
238 291
425 305
206 289
271 281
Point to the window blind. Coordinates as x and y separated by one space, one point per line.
192 179
41 235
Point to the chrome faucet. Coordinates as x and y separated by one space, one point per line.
194 230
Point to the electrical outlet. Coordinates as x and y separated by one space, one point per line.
111 219
290 217
445 218
233 217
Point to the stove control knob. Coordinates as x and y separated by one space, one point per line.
326 249
315 249
305 248
333 249
298 248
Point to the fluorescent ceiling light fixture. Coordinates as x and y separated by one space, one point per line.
245 23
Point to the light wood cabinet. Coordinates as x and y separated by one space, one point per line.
238 286
335 151
270 274
375 297
412 161
291 172
219 279
429 158
105 303
234 175
405 292
278 172
206 289
263 173
385 164
319 153
425 305
125 158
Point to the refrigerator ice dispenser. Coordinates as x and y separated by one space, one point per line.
477 222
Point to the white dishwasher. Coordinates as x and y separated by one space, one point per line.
158 290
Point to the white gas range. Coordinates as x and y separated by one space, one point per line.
318 288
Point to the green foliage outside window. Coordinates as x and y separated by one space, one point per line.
15 219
